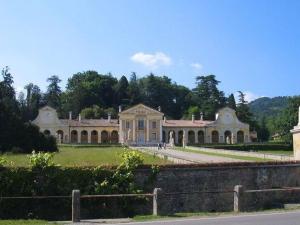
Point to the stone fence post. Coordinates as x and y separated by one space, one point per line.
238 198
75 206
157 194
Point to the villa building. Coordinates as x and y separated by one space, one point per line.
141 125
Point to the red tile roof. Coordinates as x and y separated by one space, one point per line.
186 123
91 123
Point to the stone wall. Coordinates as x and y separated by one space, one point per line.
197 179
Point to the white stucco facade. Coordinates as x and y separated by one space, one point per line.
144 125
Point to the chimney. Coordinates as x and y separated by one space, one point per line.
159 108
120 108
79 117
193 118
109 117
70 115
201 116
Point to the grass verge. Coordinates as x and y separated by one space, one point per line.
246 158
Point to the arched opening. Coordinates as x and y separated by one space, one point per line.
74 136
114 136
215 137
200 137
240 136
174 136
191 137
94 137
104 136
164 136
84 136
227 137
60 136
47 132
180 137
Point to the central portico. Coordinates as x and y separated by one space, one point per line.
140 125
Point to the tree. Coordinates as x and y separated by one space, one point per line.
33 101
207 95
53 94
231 102
121 90
243 112
287 119
263 132
134 92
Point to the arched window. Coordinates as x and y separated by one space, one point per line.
74 136
227 137
114 136
240 136
215 137
164 136
94 137
191 137
180 137
60 136
104 136
200 137
84 136
174 136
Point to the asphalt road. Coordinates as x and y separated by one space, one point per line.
275 218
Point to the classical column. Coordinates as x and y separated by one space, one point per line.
121 136
160 131
99 136
148 130
89 136
133 130
196 136
78 137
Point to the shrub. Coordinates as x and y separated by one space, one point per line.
2 161
41 160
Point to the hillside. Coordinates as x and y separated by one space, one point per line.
268 106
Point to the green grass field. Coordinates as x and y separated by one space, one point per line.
247 158
84 156
276 152
25 222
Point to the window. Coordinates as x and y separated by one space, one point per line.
141 124
127 125
153 136
154 125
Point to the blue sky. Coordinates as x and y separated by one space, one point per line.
251 46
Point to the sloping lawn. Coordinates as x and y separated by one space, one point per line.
85 156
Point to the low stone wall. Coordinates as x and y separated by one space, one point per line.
188 179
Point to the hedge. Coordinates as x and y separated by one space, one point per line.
56 181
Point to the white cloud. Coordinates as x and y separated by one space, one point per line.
151 60
249 96
196 66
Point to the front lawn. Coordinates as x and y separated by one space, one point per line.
85 156
25 222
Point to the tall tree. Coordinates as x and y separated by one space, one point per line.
53 94
33 101
243 112
231 102
121 90
207 95
134 92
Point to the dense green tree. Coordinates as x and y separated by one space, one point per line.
263 132
34 100
134 92
53 94
121 90
231 102
288 119
207 96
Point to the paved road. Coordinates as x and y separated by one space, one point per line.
194 157
270 218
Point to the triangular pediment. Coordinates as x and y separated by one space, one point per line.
141 109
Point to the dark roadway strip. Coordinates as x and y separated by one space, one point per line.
275 218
